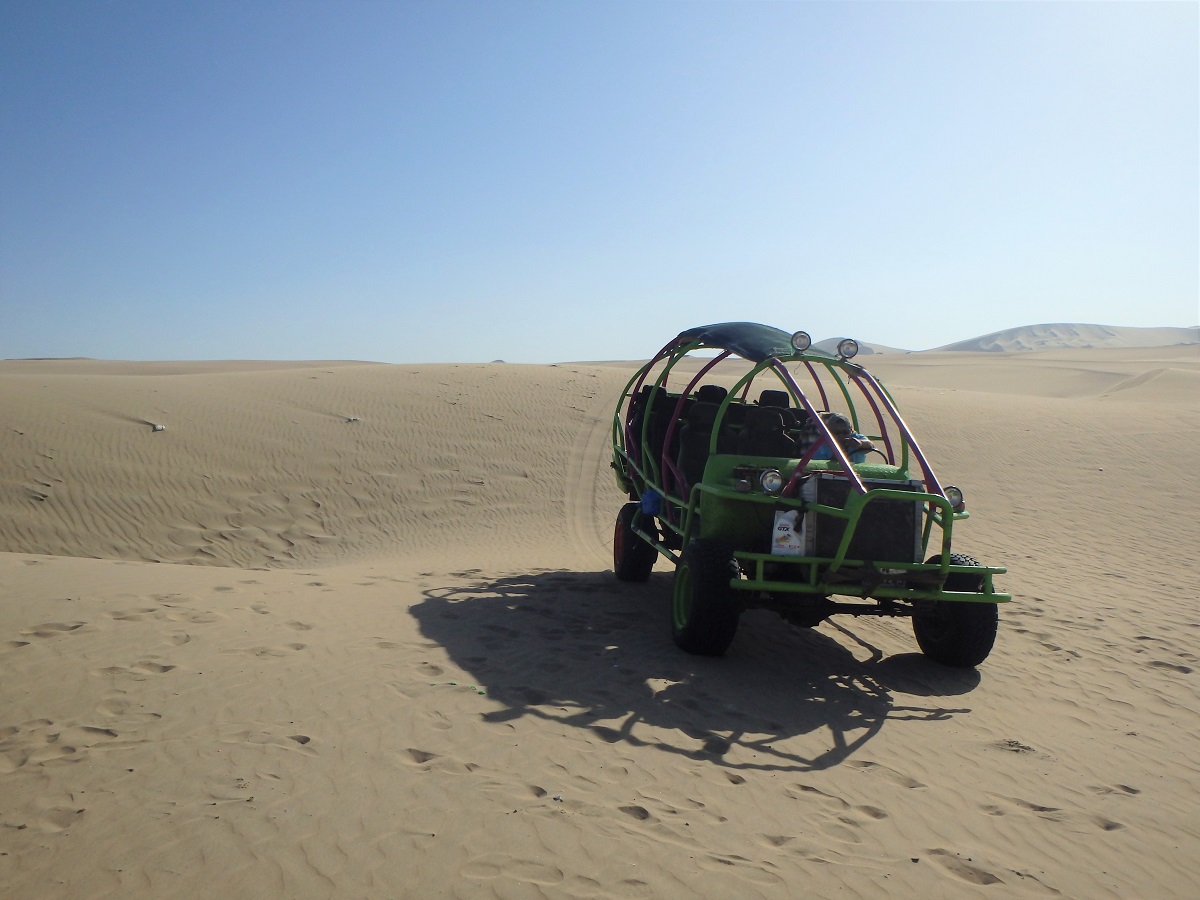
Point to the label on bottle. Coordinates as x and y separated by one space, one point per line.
788 537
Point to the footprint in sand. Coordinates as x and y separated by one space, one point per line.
1114 789
746 868
150 667
133 615
437 720
965 869
59 819
640 813
235 734
114 705
266 651
777 840
142 667
52 629
420 757
843 819
1006 805
193 616
1010 745
885 772
43 741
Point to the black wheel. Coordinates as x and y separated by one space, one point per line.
704 608
633 558
957 633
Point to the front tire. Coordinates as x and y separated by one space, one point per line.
958 633
704 608
633 558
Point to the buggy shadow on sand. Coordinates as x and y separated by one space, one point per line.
570 650
767 494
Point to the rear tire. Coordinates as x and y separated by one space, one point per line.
958 633
704 608
633 558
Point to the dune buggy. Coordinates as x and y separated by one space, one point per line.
737 474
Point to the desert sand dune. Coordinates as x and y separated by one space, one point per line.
344 629
1077 336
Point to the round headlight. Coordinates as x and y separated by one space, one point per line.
771 481
848 349
801 341
955 496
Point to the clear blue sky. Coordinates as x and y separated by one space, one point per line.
539 181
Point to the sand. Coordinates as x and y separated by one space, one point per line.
342 629
1057 336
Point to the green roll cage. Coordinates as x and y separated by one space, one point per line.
715 505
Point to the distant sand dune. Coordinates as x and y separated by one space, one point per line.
1064 335
350 630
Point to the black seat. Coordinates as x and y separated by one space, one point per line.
637 418
763 433
662 415
793 418
654 402
695 435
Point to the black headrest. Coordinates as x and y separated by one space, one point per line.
777 399
711 393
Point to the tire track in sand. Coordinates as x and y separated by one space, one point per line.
587 468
